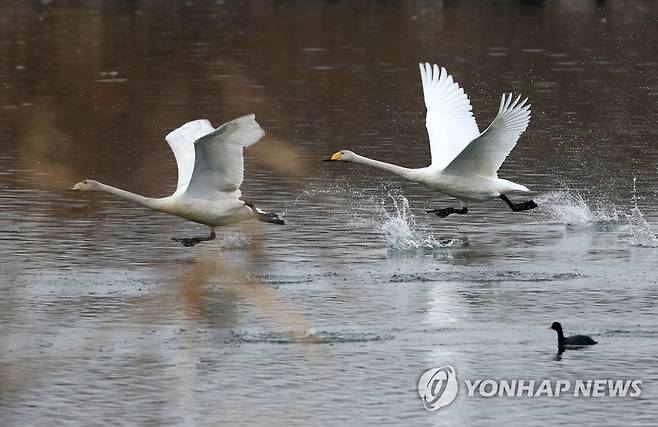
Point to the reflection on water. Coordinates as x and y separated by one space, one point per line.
336 315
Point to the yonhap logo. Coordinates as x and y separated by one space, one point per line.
437 387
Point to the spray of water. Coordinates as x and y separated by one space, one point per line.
233 240
569 208
364 209
638 229
402 231
392 219
639 232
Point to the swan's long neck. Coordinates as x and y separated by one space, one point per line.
155 204
398 170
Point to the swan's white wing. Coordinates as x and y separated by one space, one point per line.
450 123
218 164
485 154
181 141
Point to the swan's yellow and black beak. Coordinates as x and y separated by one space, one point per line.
334 157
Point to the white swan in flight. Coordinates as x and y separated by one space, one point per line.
465 162
210 172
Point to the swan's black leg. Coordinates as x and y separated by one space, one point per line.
442 213
191 241
517 207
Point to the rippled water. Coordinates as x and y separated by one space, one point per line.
333 318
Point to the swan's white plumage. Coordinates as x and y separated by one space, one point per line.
210 172
485 154
449 121
181 141
218 159
464 162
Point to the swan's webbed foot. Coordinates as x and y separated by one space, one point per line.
270 217
518 207
187 241
193 241
527 205
263 216
442 213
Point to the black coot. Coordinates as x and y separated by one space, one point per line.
574 340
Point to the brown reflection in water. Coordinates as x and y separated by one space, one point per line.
43 159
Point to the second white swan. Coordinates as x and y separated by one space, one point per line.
465 162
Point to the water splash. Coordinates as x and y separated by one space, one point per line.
389 217
401 231
392 218
233 240
567 207
639 231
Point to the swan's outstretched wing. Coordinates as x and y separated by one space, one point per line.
450 123
218 164
181 141
485 154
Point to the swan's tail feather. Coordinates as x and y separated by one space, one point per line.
505 186
522 188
